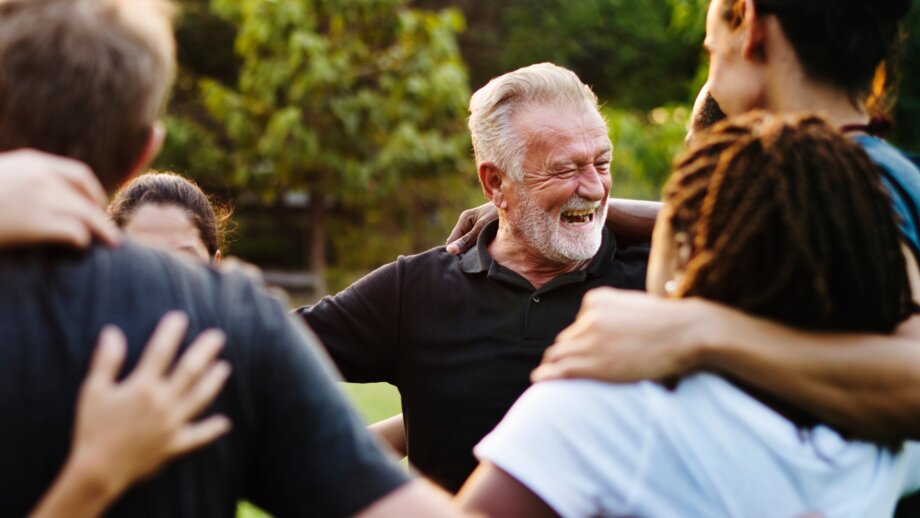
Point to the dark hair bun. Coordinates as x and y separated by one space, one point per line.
893 10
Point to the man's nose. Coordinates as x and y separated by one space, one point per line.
591 185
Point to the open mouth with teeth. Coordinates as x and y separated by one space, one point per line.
578 217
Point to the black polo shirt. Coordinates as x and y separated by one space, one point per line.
458 336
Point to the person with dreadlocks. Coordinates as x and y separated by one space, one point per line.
778 216
783 56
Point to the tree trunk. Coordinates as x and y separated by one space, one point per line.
317 243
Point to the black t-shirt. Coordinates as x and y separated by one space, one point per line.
296 447
458 336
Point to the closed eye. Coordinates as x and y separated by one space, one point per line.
567 173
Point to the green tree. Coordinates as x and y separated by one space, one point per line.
357 104
636 55
907 110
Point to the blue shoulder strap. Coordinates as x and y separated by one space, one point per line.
901 177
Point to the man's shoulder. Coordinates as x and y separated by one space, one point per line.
156 272
430 263
128 262
437 256
129 285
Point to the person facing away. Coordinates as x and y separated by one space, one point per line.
459 335
776 215
86 79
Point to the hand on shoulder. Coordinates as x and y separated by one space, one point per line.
626 336
49 199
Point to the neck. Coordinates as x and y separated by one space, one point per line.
510 250
794 92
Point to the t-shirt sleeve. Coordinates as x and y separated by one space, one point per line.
359 326
581 446
309 452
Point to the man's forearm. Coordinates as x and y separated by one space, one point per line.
80 490
391 431
868 384
632 221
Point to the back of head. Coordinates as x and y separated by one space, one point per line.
846 43
787 219
493 107
84 78
172 189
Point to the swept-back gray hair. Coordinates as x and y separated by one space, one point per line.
492 110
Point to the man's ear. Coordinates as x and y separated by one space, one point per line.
492 179
151 148
755 36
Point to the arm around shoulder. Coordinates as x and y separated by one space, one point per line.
868 384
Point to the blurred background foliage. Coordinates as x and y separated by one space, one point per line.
337 127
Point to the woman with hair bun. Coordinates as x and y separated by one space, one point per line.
783 56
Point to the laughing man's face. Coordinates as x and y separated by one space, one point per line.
560 207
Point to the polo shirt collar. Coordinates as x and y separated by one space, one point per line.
478 260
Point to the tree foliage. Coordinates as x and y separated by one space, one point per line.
907 109
359 104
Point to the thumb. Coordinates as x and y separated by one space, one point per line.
457 246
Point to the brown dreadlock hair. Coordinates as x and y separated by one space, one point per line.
787 219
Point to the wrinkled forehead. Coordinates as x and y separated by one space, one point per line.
549 125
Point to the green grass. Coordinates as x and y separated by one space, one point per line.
374 401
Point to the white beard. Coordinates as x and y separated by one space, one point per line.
549 236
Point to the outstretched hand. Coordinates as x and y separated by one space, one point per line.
49 199
625 336
127 430
469 226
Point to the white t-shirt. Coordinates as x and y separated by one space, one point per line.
707 449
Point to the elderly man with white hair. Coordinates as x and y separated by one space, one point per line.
459 335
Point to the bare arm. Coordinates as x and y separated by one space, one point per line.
865 383
492 492
391 431
631 221
869 384
418 498
127 430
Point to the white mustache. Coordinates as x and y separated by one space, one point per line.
579 203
